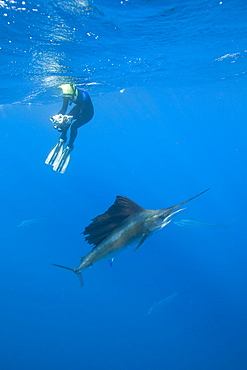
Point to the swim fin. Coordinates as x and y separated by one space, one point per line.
62 162
55 153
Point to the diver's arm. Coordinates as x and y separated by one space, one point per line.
65 106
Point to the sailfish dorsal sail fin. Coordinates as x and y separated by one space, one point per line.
102 225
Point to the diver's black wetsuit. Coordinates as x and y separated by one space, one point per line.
82 112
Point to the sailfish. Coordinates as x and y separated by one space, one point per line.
124 223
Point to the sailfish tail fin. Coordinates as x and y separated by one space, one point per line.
75 270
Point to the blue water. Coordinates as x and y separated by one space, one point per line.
168 84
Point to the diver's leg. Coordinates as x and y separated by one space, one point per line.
73 133
82 117
64 133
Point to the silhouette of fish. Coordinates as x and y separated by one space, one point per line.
194 224
157 306
124 223
27 223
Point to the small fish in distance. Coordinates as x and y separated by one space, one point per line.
27 223
158 306
194 224
124 223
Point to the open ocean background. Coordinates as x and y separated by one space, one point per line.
168 83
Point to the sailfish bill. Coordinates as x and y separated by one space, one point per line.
124 223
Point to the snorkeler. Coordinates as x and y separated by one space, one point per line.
81 113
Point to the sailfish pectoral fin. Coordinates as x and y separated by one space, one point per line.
144 237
